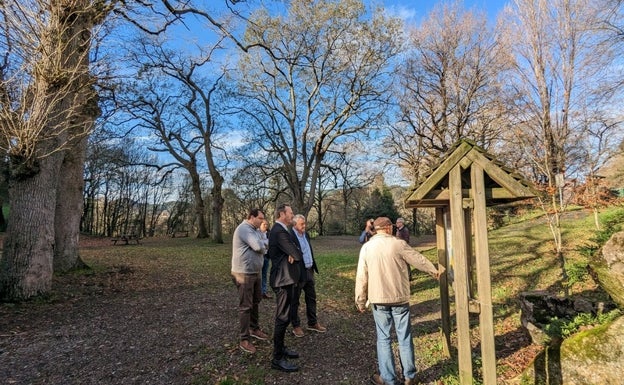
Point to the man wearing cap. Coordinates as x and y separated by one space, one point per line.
382 280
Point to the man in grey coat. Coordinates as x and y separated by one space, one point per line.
249 245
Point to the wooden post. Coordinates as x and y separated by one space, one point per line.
444 281
470 257
461 276
486 321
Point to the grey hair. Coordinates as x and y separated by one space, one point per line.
297 217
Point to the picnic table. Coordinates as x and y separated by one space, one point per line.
126 239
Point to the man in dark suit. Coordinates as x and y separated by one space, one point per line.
307 285
285 275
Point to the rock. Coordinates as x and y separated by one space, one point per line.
608 268
582 305
613 253
594 356
538 308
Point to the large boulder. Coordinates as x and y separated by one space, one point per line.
594 356
608 268
590 357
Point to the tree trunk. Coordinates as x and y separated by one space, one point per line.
69 206
83 109
55 98
217 213
596 218
3 223
26 267
200 207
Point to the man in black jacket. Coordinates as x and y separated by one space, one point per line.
285 275
308 268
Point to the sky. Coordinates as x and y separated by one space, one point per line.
406 9
417 9
412 11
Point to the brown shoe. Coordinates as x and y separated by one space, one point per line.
247 346
317 328
377 380
410 381
298 332
259 334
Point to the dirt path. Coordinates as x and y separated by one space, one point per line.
101 330
165 338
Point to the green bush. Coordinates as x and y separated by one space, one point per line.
559 328
334 228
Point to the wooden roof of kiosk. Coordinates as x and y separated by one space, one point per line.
502 185
460 188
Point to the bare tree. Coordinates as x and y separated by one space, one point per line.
323 79
613 22
47 107
116 182
449 88
174 100
597 143
255 187
346 171
562 65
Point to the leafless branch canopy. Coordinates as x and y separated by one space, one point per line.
46 90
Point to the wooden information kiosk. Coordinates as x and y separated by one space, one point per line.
459 189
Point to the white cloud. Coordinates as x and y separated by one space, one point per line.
401 12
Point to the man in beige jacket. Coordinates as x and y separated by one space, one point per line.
383 281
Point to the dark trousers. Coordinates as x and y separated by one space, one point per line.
284 296
309 292
249 296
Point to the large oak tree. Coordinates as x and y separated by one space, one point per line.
322 79
47 107
176 98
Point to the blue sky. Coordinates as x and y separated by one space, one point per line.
409 9
417 9
413 11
